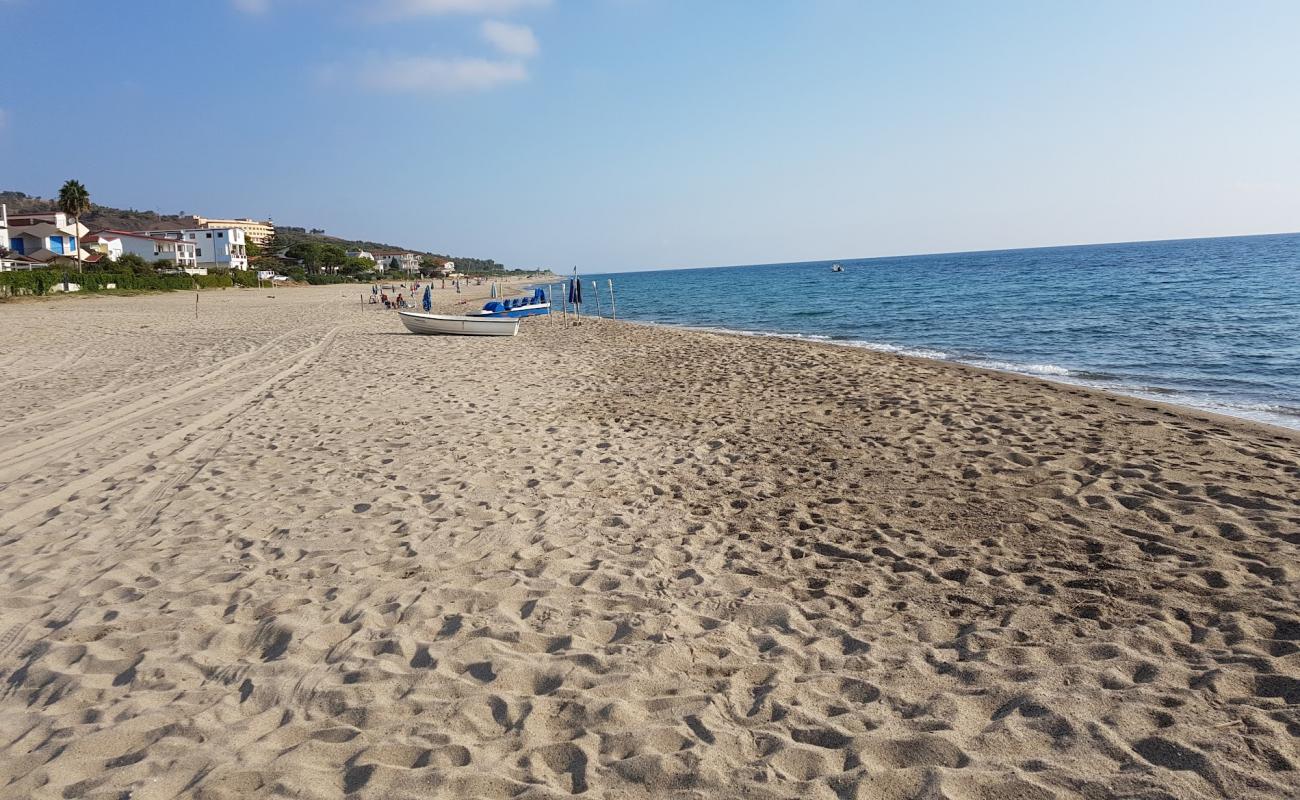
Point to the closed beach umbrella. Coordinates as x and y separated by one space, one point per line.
575 296
428 299
493 292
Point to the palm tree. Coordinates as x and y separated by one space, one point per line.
74 200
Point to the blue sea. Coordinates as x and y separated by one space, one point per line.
1208 323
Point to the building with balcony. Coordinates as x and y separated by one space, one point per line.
214 248
407 262
114 244
256 231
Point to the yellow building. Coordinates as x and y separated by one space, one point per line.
255 230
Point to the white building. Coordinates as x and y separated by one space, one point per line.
115 244
259 232
214 248
43 236
407 262
102 245
369 256
7 263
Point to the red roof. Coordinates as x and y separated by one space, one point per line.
138 235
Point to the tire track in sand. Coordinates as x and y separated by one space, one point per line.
68 360
59 442
169 444
91 399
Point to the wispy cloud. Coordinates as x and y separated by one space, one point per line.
421 8
252 6
513 40
438 73
424 74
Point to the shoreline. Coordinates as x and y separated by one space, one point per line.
288 544
1061 380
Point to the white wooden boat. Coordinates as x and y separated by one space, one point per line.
446 324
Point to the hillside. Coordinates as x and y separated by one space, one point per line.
129 219
125 219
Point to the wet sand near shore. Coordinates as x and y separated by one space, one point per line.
286 549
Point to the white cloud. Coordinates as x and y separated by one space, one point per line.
252 6
513 40
419 8
439 75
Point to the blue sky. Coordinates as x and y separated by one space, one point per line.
634 134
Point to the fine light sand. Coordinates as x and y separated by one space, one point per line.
288 550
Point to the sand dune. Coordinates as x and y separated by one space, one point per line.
286 549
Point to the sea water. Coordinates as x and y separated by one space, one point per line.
1208 323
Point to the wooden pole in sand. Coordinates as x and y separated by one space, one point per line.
613 309
196 303
596 291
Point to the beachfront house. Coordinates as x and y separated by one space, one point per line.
214 248
7 263
366 254
407 262
100 246
447 269
43 236
114 244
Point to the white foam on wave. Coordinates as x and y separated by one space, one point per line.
814 337
882 347
1025 369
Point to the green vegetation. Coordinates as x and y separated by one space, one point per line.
287 236
98 217
44 281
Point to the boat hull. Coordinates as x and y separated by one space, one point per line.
447 325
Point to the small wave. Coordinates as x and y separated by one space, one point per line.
1026 369
882 347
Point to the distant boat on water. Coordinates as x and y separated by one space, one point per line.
837 268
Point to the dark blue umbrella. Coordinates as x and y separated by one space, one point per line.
575 292
428 300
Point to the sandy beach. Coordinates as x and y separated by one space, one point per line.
285 549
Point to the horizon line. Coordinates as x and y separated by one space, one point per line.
952 252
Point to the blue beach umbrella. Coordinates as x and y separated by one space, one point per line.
575 295
428 299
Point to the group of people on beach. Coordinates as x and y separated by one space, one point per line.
382 298
378 297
